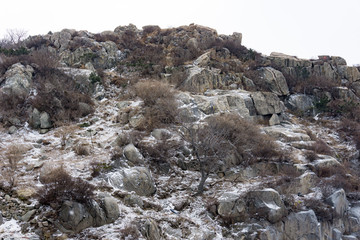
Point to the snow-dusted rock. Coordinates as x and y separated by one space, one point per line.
231 206
45 121
300 103
139 180
74 216
150 230
18 80
287 133
266 203
302 225
274 80
133 154
274 120
266 103
339 202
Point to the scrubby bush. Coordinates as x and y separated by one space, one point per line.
60 186
160 103
59 96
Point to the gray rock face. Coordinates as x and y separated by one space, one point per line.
1 219
300 103
266 203
302 225
151 230
34 119
231 206
133 155
111 209
75 216
61 39
266 103
339 202
45 121
275 80
18 80
139 180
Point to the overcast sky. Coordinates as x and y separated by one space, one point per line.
304 28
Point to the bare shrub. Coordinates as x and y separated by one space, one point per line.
45 61
14 154
59 96
150 91
321 147
82 149
59 186
130 232
228 135
159 101
104 37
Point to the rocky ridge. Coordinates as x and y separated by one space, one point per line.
299 196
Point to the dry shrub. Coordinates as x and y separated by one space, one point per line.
321 147
7 61
250 143
323 211
160 103
311 156
82 149
161 154
59 186
45 61
350 128
104 37
308 84
59 96
14 154
130 232
13 105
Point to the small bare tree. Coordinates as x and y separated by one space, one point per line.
13 38
226 136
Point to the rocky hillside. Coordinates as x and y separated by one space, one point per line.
177 133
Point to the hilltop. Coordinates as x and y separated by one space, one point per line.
176 133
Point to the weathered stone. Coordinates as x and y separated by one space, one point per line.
137 121
61 39
133 201
343 93
266 203
151 230
24 193
160 134
231 206
85 109
203 60
111 209
133 154
300 103
339 202
28 215
266 103
45 121
275 81
274 120
18 80
1 219
34 119
139 180
302 225
12 130
286 132
201 79
74 216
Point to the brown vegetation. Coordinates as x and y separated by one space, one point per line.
59 186
159 101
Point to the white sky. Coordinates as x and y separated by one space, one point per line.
305 28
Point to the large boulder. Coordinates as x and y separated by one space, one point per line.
75 217
150 230
231 207
266 203
339 202
133 154
266 103
200 79
62 39
18 80
139 180
300 103
274 80
302 225
45 121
